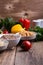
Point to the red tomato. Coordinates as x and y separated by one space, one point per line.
5 32
26 45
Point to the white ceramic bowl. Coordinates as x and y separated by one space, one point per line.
13 42
38 22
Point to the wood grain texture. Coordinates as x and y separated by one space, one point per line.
32 57
7 57
17 8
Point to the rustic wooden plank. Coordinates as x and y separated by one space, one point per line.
10 7
32 57
7 57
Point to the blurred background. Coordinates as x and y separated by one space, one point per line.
18 8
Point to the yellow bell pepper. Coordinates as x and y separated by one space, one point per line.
16 28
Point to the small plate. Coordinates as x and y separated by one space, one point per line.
29 37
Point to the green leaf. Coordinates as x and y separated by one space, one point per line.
1 22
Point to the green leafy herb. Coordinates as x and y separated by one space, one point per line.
39 32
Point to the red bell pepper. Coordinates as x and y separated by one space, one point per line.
22 21
25 22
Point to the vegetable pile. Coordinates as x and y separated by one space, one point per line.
7 23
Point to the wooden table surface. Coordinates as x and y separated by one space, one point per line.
18 57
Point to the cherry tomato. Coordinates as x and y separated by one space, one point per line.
5 32
26 45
